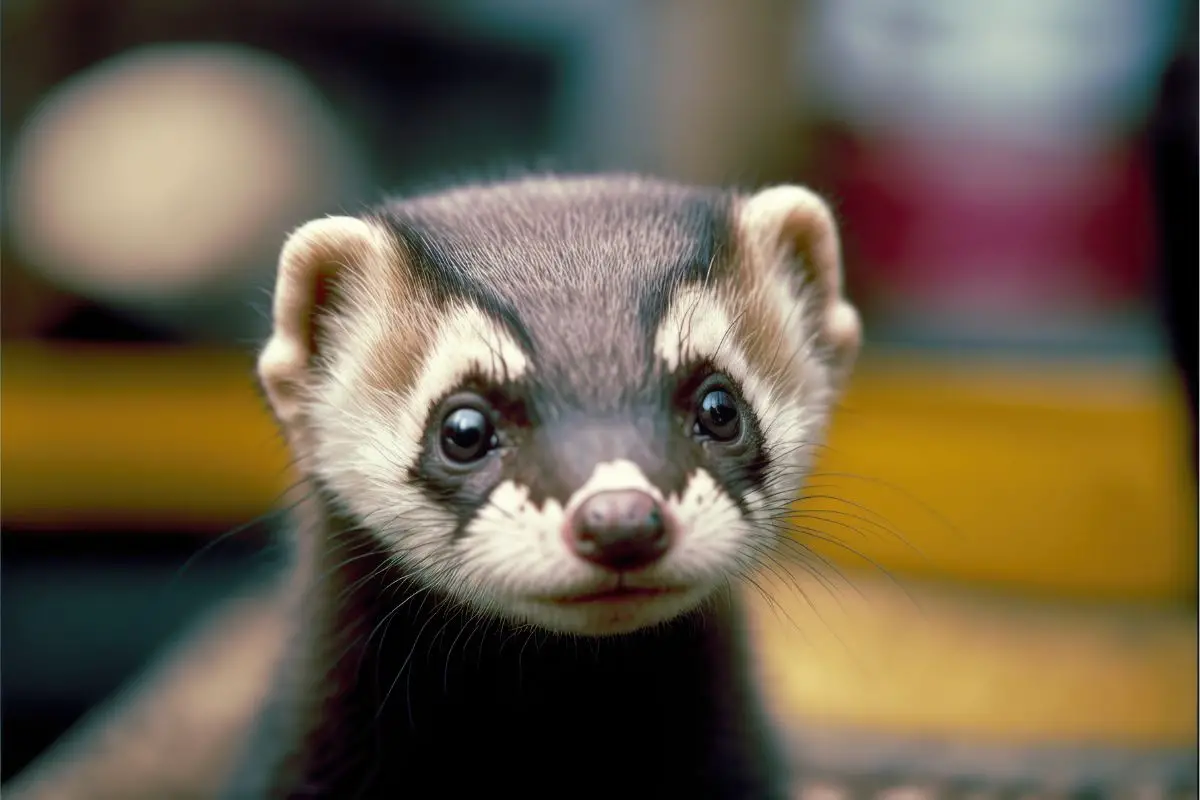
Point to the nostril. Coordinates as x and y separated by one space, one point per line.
619 530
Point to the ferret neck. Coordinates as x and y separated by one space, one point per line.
396 675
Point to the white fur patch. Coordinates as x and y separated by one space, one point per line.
514 557
613 476
515 538
368 438
715 531
698 326
468 341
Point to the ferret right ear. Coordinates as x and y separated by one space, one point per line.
792 227
309 266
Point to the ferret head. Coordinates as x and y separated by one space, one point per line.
579 403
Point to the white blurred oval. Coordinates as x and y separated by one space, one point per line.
167 177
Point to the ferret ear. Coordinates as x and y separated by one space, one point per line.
791 227
309 265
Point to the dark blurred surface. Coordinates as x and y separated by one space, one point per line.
83 612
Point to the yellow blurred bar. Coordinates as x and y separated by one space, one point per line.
1071 481
956 665
134 435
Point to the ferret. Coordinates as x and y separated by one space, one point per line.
544 426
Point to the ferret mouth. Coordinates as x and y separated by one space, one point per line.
616 594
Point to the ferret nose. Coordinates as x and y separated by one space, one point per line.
619 530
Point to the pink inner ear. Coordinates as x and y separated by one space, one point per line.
322 289
814 245
323 293
800 238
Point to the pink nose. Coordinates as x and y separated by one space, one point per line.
619 530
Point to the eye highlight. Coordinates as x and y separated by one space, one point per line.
717 416
467 435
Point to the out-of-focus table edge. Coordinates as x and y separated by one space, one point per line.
819 751
960 672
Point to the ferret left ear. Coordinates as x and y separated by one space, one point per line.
311 262
790 227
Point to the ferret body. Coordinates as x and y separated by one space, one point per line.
544 426
546 423
445 704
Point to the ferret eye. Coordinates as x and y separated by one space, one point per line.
718 416
467 435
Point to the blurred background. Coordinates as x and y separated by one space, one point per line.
1009 493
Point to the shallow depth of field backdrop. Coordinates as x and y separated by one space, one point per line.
1007 505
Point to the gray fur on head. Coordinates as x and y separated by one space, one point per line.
587 316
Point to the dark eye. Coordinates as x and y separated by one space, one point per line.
467 435
718 416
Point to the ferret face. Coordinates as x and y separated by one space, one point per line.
582 404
